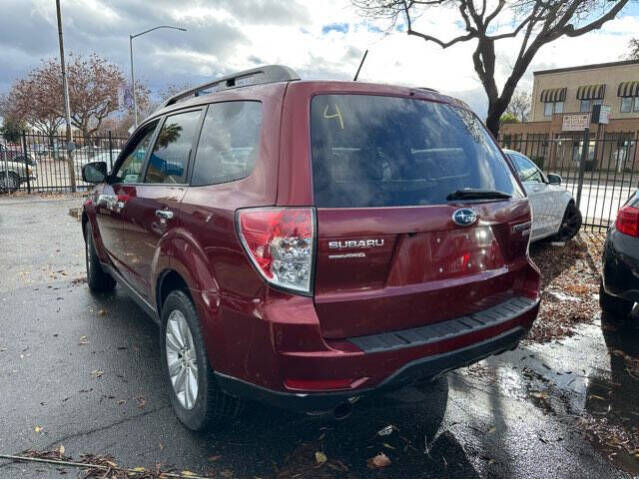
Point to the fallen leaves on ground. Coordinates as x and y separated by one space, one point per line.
386 430
47 454
105 466
378 461
97 373
309 461
320 458
570 285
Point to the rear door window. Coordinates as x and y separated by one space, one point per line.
372 151
169 159
229 142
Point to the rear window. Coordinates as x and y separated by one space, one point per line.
370 151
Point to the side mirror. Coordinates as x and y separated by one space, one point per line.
94 172
554 179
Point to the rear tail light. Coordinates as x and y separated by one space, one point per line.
628 221
280 243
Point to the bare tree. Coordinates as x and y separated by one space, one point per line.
36 100
93 91
535 22
520 105
634 49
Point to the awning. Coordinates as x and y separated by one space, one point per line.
628 89
591 92
553 95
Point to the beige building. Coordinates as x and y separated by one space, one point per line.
566 91
577 89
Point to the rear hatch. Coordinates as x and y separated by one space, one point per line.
390 174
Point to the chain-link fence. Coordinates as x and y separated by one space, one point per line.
611 168
39 163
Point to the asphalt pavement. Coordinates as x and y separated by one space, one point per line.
83 371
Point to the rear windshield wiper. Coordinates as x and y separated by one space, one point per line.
476 194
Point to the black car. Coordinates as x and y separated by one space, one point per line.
619 288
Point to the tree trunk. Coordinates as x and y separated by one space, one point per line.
495 110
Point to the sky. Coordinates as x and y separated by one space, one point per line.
320 39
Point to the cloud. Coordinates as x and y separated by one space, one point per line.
321 40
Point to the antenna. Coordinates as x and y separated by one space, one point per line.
360 65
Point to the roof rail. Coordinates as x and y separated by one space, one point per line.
428 89
254 76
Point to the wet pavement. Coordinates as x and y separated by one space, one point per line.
85 370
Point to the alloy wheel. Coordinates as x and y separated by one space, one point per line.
181 359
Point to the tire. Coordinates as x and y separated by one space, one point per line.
97 278
570 223
206 405
618 307
13 182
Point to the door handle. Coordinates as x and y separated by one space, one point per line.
164 214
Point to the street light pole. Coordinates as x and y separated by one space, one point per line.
135 101
131 37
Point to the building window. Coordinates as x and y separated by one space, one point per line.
584 106
636 104
553 107
626 104
548 109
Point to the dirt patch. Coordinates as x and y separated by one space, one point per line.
570 285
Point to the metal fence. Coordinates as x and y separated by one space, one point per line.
611 168
40 163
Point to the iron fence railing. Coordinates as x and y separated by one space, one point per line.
40 163
610 174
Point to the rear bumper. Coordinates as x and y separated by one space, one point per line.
382 362
422 368
621 265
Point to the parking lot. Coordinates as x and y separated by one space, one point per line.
83 371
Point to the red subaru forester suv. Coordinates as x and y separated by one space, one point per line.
305 243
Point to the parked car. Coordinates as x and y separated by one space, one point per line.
14 170
555 213
320 241
619 289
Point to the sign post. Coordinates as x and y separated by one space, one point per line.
576 123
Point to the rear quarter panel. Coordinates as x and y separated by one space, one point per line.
207 253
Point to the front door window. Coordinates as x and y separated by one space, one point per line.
129 171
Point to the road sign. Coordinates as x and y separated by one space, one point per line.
575 122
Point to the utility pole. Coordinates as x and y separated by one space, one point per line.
67 103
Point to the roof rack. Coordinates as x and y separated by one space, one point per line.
254 76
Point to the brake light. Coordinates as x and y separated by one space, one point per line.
280 243
628 221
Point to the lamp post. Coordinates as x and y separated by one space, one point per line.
131 37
